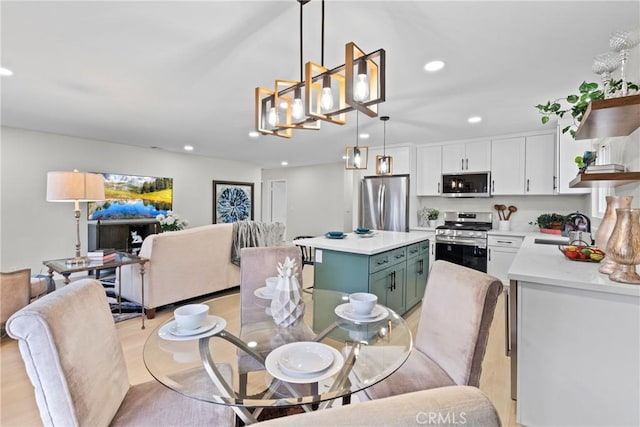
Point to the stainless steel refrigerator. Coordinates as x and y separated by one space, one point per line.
384 202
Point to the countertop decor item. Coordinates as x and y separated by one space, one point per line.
606 228
549 223
582 253
622 42
624 245
286 304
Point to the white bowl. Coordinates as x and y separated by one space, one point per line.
191 316
271 283
362 302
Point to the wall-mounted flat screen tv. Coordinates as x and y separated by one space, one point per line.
132 197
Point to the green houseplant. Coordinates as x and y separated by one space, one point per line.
552 221
576 105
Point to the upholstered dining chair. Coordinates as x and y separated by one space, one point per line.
453 329
73 357
17 289
256 265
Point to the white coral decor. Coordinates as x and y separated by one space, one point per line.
286 304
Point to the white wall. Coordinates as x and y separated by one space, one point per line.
314 198
33 230
529 207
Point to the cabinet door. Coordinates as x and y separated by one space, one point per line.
540 164
389 285
478 156
429 170
453 156
507 166
417 270
498 262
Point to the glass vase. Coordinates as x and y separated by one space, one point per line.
624 245
607 266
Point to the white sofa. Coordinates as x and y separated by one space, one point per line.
182 264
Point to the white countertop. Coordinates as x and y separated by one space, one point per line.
382 241
545 264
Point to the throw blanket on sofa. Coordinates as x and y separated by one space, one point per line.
247 234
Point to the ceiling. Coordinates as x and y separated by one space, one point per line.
166 74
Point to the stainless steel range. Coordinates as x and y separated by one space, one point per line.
463 239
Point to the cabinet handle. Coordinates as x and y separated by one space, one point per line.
504 241
527 185
438 188
467 164
461 164
421 271
493 186
400 255
392 276
555 185
384 261
489 254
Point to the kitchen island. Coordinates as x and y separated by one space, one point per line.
575 341
393 265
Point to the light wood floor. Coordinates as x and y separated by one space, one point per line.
18 407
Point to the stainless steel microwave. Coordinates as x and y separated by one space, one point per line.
467 184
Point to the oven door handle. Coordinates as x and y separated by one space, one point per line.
463 242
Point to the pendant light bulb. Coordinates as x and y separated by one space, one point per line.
361 92
272 117
297 108
356 157
326 97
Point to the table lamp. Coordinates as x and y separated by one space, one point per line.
75 187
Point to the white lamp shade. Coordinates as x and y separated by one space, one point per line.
74 186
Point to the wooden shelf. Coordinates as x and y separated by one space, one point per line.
610 117
610 178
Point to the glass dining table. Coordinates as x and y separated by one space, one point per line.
363 351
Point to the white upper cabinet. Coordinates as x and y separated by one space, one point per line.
523 165
429 170
567 150
466 157
540 164
508 166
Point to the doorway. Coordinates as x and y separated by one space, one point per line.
278 202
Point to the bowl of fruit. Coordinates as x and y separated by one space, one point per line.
582 253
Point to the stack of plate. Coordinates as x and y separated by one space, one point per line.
363 232
346 312
211 326
304 362
335 235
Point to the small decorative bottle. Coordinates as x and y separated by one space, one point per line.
287 305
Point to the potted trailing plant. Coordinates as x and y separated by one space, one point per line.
549 223
429 215
577 104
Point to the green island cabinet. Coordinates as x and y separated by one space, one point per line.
397 276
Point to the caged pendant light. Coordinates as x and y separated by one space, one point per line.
384 163
357 156
322 93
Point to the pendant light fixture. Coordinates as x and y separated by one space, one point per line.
358 84
384 163
357 157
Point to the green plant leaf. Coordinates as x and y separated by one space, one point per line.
566 129
545 120
572 99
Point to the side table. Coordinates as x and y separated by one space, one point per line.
67 266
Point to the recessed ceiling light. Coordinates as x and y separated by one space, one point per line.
284 163
5 72
188 148
474 119
434 66
254 134
364 136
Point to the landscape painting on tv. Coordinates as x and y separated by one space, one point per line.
132 197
